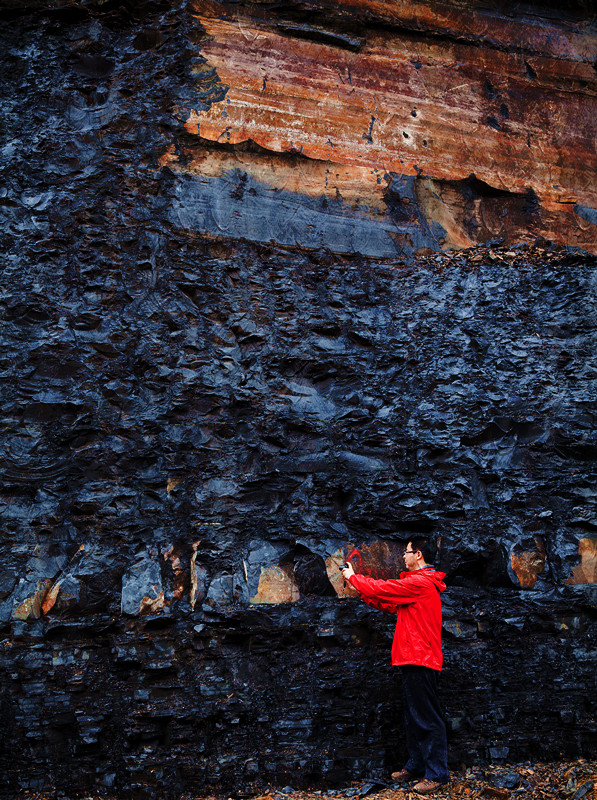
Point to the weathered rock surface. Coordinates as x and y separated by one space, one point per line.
197 428
402 126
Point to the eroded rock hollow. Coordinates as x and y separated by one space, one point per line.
282 283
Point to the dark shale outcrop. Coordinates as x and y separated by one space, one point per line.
222 371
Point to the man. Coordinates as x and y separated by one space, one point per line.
417 650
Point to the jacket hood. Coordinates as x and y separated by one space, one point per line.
428 575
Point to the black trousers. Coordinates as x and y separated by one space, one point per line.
424 723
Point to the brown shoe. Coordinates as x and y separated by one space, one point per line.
402 776
427 787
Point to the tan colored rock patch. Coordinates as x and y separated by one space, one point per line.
586 571
276 585
33 605
529 565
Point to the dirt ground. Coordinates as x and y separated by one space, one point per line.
570 780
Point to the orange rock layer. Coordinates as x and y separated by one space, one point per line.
513 103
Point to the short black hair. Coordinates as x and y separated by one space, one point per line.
427 545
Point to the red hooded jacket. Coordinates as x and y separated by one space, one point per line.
415 598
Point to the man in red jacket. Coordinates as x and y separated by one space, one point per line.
417 650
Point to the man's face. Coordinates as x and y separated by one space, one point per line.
410 557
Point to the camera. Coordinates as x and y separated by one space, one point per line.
343 566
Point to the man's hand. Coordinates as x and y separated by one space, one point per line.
347 572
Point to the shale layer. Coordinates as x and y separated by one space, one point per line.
216 386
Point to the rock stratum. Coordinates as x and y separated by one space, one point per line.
283 285
427 124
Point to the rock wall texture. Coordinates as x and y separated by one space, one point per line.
223 371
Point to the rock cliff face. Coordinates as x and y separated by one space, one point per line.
225 369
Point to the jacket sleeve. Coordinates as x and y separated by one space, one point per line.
386 595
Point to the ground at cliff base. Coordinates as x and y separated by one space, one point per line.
569 780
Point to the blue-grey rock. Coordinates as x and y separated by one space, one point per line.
142 585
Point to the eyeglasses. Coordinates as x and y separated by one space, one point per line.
411 552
